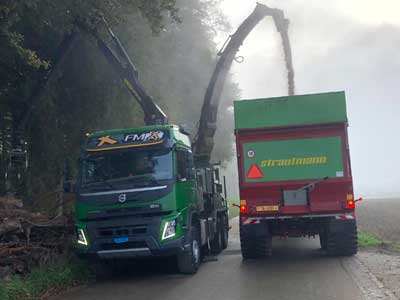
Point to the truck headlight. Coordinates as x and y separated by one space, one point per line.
81 237
169 229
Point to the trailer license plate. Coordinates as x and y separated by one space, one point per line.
120 240
267 208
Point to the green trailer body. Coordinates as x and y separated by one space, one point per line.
290 111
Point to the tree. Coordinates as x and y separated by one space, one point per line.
175 56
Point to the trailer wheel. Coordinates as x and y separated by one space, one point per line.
323 238
247 243
189 260
255 241
342 242
264 246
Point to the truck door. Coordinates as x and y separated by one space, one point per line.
186 183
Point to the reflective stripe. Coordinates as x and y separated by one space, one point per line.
153 188
249 220
246 221
346 217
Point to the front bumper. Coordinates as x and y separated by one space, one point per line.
141 236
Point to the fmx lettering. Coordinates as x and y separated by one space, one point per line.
150 136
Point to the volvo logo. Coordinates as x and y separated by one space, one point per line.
122 198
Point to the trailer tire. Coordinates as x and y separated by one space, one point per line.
188 261
264 246
323 238
247 243
342 242
255 244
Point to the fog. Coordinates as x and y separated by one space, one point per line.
337 45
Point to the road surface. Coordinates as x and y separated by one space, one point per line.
298 270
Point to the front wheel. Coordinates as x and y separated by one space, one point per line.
189 260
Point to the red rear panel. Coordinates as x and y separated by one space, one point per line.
266 197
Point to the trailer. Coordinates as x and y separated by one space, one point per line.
295 174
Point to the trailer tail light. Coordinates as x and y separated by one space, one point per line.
350 204
243 206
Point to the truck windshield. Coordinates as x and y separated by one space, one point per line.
134 166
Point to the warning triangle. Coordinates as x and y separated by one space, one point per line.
254 172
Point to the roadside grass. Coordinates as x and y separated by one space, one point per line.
368 240
44 281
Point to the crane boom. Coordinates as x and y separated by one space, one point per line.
204 142
126 70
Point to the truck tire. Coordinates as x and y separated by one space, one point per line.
189 260
255 241
224 232
342 242
101 269
216 243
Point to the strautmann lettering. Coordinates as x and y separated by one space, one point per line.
294 161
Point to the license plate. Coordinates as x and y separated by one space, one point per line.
120 240
267 208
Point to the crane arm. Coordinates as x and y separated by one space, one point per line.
204 141
126 70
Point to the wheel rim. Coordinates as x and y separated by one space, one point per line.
196 251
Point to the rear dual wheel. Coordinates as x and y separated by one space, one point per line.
342 242
255 241
323 238
220 241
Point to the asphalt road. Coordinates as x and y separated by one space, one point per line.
298 270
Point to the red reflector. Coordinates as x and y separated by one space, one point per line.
254 172
243 208
350 204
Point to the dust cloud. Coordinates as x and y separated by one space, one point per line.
337 45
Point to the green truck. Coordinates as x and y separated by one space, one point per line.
295 174
140 195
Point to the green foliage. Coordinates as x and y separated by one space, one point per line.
367 240
44 280
170 42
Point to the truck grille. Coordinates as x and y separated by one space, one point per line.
128 245
117 231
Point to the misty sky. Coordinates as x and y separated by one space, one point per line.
351 45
